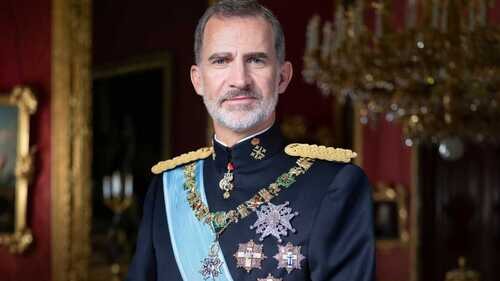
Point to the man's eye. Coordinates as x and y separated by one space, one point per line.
219 61
256 60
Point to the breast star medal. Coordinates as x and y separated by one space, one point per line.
226 183
249 255
210 266
289 257
269 278
274 220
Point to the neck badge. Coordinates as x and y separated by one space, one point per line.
289 257
226 183
274 220
249 255
269 278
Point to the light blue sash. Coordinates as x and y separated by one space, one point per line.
190 238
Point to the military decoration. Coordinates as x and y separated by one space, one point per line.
226 183
289 257
249 255
269 278
211 265
274 220
258 152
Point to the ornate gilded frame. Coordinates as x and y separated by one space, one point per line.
385 193
24 100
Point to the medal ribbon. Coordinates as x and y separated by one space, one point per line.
191 239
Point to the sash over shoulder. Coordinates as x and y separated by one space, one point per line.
191 239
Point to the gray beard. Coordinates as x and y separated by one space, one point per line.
253 114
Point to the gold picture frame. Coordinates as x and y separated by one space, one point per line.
16 110
390 216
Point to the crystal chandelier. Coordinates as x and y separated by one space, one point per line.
438 73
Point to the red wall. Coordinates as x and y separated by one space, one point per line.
301 98
387 159
25 58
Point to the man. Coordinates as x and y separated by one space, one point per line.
250 208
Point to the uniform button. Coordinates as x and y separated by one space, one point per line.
255 141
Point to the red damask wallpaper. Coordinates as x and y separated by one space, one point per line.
25 58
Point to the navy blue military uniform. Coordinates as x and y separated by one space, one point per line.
334 225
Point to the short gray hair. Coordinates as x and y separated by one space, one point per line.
240 8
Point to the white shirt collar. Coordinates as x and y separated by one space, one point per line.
243 139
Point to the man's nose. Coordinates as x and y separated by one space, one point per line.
239 76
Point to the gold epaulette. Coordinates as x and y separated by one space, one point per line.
182 159
320 152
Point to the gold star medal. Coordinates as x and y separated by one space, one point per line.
249 255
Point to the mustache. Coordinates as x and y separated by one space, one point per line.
239 93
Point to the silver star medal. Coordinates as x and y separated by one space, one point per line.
274 220
210 266
289 257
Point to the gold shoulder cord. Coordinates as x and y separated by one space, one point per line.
182 159
320 152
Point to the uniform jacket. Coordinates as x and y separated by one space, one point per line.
333 227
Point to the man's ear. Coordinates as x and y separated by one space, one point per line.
196 79
285 76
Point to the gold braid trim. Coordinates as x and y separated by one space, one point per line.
320 152
182 159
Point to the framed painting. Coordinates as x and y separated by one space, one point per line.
390 215
16 167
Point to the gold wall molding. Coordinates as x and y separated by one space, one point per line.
71 139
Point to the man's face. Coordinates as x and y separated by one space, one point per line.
239 75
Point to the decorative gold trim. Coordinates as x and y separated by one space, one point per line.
26 103
70 129
320 152
182 159
397 194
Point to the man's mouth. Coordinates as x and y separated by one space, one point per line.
240 99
